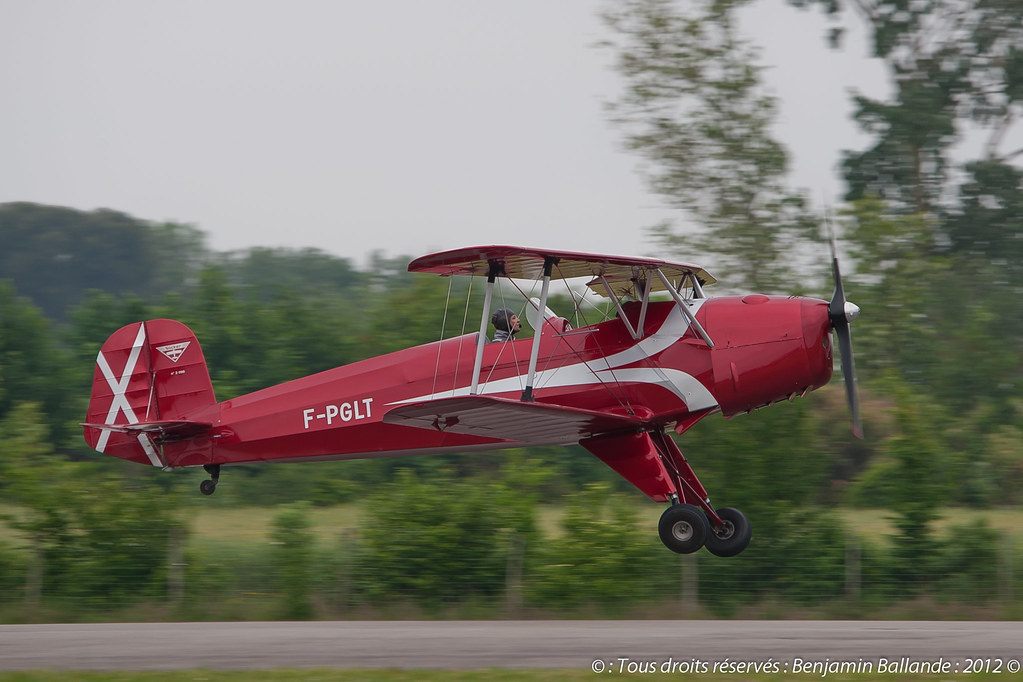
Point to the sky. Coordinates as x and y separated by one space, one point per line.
402 127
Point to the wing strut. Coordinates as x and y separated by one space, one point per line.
684 306
481 338
647 288
548 268
621 311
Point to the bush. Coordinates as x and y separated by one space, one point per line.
292 551
439 540
603 557
968 561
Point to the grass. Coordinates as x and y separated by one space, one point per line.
312 675
251 526
874 523
505 675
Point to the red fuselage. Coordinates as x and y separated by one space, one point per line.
765 349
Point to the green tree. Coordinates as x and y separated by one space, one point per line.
922 473
775 466
764 462
33 367
419 312
121 542
954 66
937 196
695 107
441 540
266 272
935 223
603 557
293 552
27 456
55 254
90 538
969 563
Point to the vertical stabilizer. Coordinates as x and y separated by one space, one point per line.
152 399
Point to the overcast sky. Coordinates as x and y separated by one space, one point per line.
404 126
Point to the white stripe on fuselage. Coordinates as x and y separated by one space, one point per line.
609 370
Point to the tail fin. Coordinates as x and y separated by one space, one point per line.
152 399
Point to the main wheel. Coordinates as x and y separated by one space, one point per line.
683 528
732 536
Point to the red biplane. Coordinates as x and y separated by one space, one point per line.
665 358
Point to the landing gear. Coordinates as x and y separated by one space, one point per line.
653 462
209 486
683 528
732 536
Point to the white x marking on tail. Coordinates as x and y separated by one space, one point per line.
119 387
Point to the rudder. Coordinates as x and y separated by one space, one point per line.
152 388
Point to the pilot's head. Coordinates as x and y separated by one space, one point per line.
506 321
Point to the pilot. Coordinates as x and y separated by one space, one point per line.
506 323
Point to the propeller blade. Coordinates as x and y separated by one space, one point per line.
842 313
844 337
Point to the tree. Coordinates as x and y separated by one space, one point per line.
90 538
604 557
956 70
695 108
268 272
920 474
937 200
404 316
26 455
955 65
441 540
293 554
772 465
60 253
33 367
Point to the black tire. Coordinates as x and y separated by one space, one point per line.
683 528
732 536
207 487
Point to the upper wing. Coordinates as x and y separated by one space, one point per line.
528 263
511 420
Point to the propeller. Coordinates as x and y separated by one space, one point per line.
842 313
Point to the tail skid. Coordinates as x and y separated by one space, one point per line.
152 399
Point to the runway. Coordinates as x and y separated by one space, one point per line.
603 646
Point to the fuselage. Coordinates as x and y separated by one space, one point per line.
765 349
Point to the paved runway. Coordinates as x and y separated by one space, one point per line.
599 645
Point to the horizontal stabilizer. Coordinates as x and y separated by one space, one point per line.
165 430
509 420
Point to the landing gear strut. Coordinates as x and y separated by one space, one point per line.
209 486
653 462
684 528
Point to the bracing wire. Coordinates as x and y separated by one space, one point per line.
443 326
607 386
461 337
